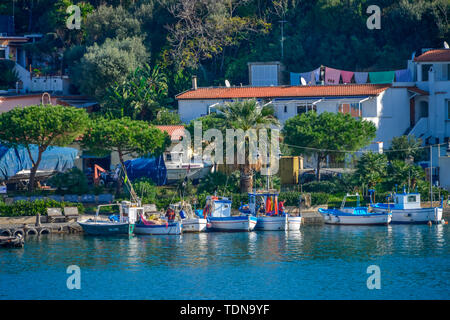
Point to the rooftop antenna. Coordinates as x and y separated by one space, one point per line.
446 46
282 37
303 81
227 83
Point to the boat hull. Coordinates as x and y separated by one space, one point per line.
158 229
194 225
107 228
331 217
272 223
414 216
239 223
294 223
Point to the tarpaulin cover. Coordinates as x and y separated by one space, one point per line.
151 167
13 160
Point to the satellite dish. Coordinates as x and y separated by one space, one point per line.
446 45
303 81
227 83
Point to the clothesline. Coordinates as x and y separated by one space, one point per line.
334 76
363 151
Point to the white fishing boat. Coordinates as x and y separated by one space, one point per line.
354 215
270 215
407 209
190 221
218 212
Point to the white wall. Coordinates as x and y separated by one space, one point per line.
193 109
444 172
393 114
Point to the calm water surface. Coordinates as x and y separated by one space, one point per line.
323 262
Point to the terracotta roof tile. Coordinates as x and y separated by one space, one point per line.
285 91
174 131
434 56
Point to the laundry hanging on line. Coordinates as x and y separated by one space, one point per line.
381 77
361 77
403 75
332 76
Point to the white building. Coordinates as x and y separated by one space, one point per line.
387 106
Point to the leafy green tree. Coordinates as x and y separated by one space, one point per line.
104 65
111 22
166 117
372 168
327 134
139 96
126 137
404 147
43 126
402 173
245 115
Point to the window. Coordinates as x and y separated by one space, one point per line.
2 53
305 107
354 109
448 72
423 109
425 69
285 109
412 199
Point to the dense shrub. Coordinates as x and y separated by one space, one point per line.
73 181
8 75
32 208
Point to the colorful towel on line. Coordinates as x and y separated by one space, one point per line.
382 77
361 77
346 76
295 79
403 76
332 76
316 74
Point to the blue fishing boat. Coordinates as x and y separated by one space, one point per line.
354 215
218 213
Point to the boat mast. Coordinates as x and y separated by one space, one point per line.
431 176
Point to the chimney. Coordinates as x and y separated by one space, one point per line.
194 82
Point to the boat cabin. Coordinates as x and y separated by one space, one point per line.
407 201
263 202
130 212
218 206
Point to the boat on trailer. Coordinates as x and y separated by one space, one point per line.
122 224
218 213
354 215
407 209
270 216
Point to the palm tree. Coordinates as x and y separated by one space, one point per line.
245 115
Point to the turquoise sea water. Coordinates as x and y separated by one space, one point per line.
319 262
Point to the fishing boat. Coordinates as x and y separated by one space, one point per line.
157 227
218 213
354 215
12 242
191 222
407 209
122 224
270 213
